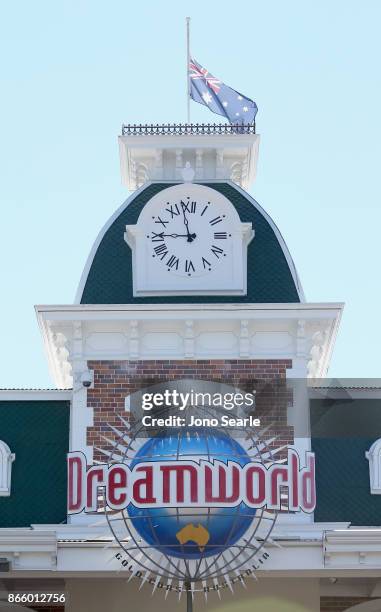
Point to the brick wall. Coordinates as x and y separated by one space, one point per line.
114 380
340 604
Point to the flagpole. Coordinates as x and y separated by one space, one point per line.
188 62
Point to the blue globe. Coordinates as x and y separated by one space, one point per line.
159 526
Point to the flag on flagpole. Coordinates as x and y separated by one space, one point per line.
218 97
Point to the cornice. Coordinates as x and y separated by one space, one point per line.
76 334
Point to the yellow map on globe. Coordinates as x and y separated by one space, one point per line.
194 533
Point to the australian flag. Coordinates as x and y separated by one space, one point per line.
218 97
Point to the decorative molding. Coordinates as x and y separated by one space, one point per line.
236 174
134 339
244 339
374 457
64 367
213 154
318 548
199 164
352 548
315 367
301 338
6 460
189 350
186 331
220 168
158 163
178 163
28 549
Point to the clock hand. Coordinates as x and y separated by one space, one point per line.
193 236
190 236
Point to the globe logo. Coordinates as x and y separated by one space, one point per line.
192 507
180 533
192 533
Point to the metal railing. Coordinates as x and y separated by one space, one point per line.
187 128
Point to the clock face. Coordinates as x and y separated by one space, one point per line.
189 236
189 240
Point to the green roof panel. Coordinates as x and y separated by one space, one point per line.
270 280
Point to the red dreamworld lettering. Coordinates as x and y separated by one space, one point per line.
278 479
221 484
146 484
180 470
256 485
76 468
117 491
293 497
308 502
186 483
95 479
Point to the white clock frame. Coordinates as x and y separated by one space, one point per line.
150 279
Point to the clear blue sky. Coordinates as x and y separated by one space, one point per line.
72 71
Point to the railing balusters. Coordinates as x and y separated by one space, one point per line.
185 128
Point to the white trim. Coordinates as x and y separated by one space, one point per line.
358 548
373 455
133 321
265 310
131 198
15 395
6 460
28 549
347 552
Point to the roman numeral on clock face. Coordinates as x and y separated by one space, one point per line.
215 220
220 235
206 263
189 267
173 262
204 209
216 251
161 250
163 223
173 210
185 206
189 206
157 237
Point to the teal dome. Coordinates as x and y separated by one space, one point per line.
271 274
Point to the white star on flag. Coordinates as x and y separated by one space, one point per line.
207 97
221 99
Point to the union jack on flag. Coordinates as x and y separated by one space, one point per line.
206 89
198 72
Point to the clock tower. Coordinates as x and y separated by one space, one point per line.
189 279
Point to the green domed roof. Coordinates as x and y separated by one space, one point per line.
271 275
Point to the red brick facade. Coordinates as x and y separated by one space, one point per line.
114 380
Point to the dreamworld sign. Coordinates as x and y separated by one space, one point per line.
189 484
191 524
191 508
